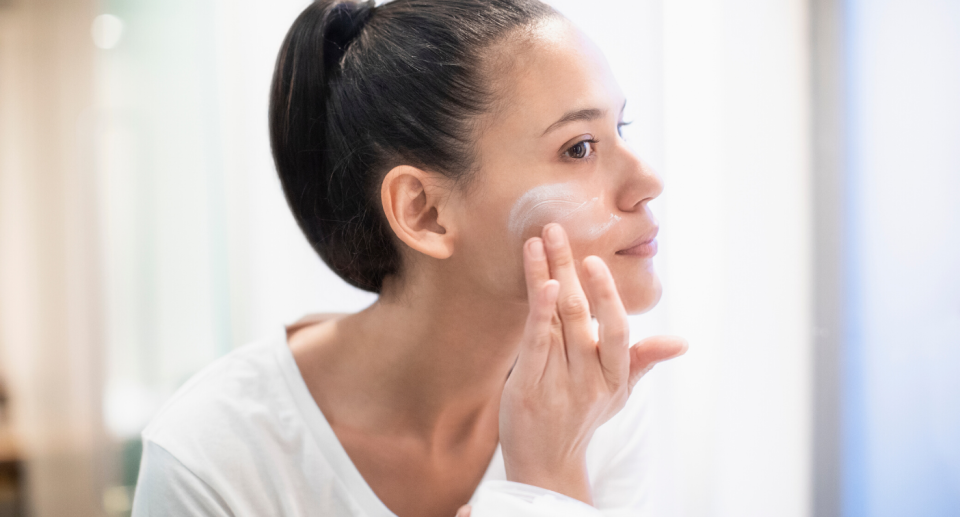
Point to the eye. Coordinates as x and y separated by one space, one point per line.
620 127
580 150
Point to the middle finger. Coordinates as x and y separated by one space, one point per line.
572 303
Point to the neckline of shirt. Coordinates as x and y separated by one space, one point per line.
331 448
323 434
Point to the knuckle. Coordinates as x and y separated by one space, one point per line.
521 401
562 259
572 305
554 406
618 336
529 404
594 396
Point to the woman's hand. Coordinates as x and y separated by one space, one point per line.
566 383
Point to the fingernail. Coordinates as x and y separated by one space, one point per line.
554 235
536 249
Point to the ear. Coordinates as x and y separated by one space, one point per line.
413 201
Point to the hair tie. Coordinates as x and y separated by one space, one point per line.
344 23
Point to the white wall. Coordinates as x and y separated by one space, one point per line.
722 91
739 261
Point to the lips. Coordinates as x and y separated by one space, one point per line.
645 246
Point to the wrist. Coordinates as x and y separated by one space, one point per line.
569 478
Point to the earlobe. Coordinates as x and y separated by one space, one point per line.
413 202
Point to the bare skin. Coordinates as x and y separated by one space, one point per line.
416 386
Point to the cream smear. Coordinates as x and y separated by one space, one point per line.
560 203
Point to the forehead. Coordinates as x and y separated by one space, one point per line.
547 71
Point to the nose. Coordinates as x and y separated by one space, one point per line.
638 182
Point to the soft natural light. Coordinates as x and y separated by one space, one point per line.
229 264
809 240
106 30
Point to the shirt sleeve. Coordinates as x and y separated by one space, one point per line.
622 483
499 498
167 488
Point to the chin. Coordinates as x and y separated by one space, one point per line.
640 292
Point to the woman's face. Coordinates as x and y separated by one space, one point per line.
552 152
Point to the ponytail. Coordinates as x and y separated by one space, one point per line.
359 89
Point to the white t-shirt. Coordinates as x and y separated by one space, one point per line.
245 438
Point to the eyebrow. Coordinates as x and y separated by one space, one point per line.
573 116
577 115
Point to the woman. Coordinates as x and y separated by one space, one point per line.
461 158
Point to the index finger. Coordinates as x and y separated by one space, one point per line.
572 302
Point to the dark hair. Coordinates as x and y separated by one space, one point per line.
360 89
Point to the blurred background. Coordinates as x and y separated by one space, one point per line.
810 244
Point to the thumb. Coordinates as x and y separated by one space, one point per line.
652 350
464 511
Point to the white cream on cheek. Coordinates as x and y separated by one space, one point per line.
560 203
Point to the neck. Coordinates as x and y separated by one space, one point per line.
429 360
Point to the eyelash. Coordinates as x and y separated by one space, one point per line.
592 142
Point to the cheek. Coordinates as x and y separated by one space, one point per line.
638 284
490 259
585 219
636 278
591 225
593 230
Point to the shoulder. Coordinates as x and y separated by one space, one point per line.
244 376
232 411
236 436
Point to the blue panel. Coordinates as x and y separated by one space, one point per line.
902 363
